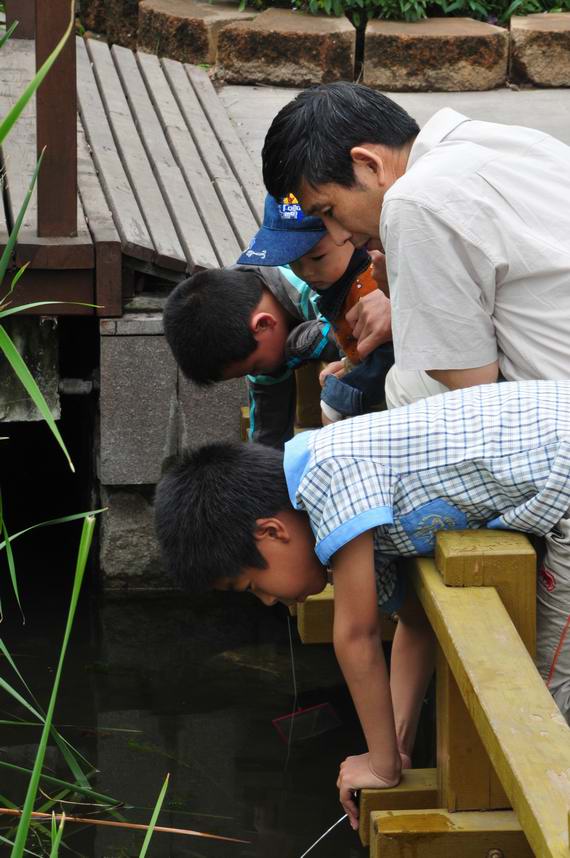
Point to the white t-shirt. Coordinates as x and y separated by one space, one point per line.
477 241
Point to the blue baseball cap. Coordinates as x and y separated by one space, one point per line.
286 234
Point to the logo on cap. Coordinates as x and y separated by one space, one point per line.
290 209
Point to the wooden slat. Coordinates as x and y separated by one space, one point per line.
183 212
417 790
188 158
439 834
169 253
56 123
108 258
23 11
220 172
521 728
69 285
135 237
240 161
19 149
316 614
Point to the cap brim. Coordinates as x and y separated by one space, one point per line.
280 246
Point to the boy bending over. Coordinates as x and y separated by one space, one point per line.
353 497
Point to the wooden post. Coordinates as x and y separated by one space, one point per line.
439 834
24 12
506 561
417 790
56 112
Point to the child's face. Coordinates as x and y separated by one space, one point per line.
293 570
324 264
267 357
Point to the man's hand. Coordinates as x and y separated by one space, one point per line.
357 773
379 271
371 322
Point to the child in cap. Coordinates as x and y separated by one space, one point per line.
355 496
340 276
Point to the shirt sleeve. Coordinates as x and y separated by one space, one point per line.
344 497
272 403
442 288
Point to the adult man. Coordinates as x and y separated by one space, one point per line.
473 218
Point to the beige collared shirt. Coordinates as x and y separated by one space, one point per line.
477 240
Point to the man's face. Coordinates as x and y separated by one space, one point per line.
349 214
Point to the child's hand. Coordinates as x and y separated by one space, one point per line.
335 368
357 773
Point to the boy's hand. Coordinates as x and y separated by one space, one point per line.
371 322
357 773
335 368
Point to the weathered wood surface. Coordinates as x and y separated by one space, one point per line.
244 169
440 834
56 123
23 11
417 790
521 728
19 159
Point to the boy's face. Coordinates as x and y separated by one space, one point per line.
269 354
324 264
293 570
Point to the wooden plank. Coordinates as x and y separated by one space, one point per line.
220 172
245 171
135 237
169 252
66 285
187 156
23 11
183 211
506 561
108 258
19 150
416 791
439 834
316 614
56 123
522 730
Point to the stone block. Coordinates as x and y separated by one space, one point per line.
447 54
185 30
540 48
286 48
129 555
138 408
212 413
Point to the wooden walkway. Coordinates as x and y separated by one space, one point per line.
165 186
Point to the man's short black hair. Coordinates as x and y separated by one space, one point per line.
206 506
206 321
312 136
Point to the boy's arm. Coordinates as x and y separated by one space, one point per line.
411 668
272 404
358 648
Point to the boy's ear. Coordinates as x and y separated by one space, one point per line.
368 163
271 528
261 322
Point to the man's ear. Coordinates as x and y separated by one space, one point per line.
271 528
262 322
368 164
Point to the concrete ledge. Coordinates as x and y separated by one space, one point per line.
285 48
185 30
447 54
540 48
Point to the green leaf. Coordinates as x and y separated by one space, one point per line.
82 554
11 564
8 33
11 243
88 793
21 308
13 114
154 817
27 380
63 520
56 835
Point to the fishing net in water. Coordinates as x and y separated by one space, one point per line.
306 723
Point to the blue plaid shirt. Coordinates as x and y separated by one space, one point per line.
491 456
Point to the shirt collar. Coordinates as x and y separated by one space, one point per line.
434 131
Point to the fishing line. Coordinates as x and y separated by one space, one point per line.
294 676
334 825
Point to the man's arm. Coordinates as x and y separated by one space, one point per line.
456 378
358 648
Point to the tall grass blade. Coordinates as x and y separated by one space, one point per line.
82 554
154 817
26 851
11 564
13 114
11 243
56 835
17 276
89 793
21 308
8 33
26 378
62 520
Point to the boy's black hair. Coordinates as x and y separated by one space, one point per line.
206 506
312 136
206 321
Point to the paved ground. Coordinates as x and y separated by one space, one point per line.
253 107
